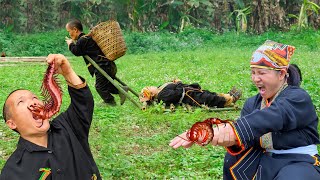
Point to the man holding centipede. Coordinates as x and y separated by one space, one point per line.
57 149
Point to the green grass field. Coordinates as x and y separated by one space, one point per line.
128 143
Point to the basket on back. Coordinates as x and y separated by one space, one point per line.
109 38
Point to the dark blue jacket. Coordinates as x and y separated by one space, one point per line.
293 121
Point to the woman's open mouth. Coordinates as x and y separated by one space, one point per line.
262 89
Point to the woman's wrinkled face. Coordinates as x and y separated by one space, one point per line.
73 32
268 81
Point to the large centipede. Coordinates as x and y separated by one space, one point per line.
51 93
201 133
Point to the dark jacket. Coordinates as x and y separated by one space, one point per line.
85 45
293 122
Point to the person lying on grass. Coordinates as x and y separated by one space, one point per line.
176 92
277 132
51 150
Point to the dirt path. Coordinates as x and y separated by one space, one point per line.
14 61
23 59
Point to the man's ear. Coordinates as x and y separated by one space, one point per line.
75 29
11 124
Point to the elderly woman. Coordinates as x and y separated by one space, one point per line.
276 135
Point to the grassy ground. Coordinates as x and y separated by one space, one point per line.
132 144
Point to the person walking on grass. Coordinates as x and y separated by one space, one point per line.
276 135
81 45
57 150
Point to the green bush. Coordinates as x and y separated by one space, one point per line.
41 44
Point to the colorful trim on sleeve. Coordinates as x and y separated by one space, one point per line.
78 86
245 132
235 149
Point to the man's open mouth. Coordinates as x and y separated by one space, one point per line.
39 121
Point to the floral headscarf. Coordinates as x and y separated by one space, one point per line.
272 55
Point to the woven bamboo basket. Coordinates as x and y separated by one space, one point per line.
109 38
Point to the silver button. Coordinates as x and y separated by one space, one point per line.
58 171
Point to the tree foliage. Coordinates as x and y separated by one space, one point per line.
307 9
155 15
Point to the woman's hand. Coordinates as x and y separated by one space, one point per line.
181 140
224 135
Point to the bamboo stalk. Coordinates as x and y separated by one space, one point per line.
113 82
131 90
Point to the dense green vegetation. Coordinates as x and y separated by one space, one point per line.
41 44
133 144
154 15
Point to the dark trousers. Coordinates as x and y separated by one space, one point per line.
103 86
211 99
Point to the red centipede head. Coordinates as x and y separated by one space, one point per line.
37 111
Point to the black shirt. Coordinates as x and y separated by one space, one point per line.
68 153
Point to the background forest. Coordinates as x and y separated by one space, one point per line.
139 18
154 15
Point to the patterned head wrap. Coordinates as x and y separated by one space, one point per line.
272 55
145 94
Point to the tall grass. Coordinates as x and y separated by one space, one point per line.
128 143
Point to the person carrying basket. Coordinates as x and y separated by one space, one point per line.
81 44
